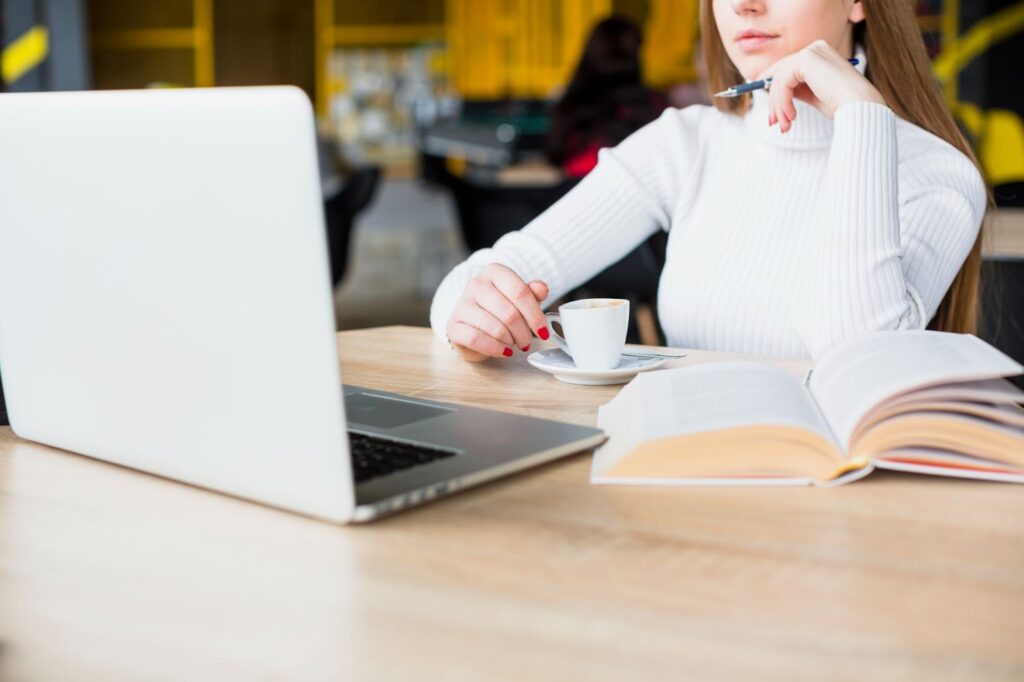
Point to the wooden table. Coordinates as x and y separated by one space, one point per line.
1005 234
107 574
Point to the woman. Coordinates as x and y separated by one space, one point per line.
843 201
605 101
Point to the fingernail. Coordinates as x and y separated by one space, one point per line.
507 352
526 348
543 333
771 119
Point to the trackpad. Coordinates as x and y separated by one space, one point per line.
387 413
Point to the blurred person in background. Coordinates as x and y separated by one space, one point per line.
604 102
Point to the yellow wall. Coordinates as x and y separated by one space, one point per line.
135 43
670 42
511 48
527 48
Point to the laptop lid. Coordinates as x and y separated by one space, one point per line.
165 300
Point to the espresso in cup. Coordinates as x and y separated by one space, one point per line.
600 303
593 331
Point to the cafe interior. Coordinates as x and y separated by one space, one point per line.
440 128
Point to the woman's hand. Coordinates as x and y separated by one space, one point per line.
497 311
819 76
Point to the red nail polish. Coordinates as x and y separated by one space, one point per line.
526 348
543 333
507 352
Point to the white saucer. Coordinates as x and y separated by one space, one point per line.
554 361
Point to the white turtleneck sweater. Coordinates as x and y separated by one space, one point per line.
779 244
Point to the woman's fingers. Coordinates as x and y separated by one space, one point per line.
469 355
496 303
498 312
805 94
477 317
772 72
785 81
469 337
813 75
540 290
524 297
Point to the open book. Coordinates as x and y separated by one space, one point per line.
921 401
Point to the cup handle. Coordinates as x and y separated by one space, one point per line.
555 336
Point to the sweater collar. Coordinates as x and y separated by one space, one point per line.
811 129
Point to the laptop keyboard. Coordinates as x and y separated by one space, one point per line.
373 457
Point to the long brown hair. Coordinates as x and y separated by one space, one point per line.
898 66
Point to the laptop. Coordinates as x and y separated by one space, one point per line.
165 304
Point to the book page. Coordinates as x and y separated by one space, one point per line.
997 413
936 457
704 398
854 377
961 433
999 391
719 396
944 463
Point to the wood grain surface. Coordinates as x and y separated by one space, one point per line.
108 574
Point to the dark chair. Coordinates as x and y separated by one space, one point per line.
1009 194
634 278
341 211
1002 306
487 212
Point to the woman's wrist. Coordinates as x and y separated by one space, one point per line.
860 104
866 94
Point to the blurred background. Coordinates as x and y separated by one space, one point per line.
434 115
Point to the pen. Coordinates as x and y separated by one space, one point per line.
737 90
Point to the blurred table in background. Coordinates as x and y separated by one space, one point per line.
1006 233
488 136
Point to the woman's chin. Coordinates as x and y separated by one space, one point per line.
752 68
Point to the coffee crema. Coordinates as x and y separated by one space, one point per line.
598 304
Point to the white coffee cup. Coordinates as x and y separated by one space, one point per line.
594 329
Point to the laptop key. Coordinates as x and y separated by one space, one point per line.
373 457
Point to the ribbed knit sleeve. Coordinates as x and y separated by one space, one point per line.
885 247
627 197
